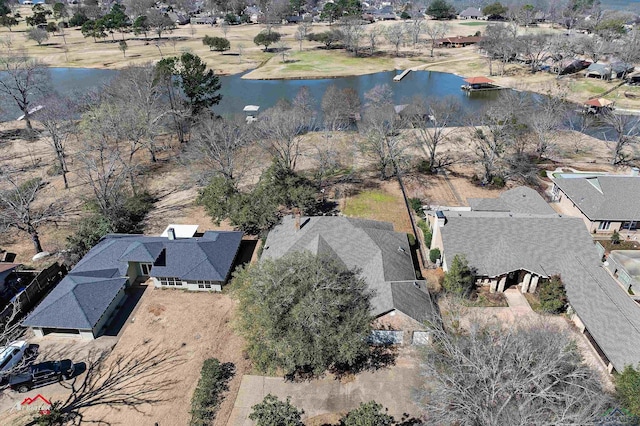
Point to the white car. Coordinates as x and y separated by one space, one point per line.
11 355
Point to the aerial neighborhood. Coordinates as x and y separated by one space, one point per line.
331 212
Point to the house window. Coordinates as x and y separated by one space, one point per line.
170 281
145 268
604 226
205 283
633 225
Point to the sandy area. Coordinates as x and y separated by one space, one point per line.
197 326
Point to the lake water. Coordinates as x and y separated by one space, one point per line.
237 92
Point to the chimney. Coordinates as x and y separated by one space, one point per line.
297 219
439 223
635 172
171 233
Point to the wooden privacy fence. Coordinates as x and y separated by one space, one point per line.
35 290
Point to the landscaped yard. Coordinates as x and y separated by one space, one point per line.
384 203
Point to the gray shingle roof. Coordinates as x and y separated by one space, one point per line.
412 298
517 200
496 243
615 198
382 255
471 12
77 302
207 258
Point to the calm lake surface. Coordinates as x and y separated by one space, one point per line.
237 92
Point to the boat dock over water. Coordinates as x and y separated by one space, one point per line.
479 84
401 76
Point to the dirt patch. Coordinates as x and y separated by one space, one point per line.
157 310
198 325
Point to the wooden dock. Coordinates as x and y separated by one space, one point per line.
401 76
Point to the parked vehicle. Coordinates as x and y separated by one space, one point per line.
11 356
42 374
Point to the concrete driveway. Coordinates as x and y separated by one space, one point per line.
392 387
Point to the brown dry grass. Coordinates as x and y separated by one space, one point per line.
198 323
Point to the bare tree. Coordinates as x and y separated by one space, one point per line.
395 35
22 81
340 107
535 48
434 121
380 127
545 119
147 111
20 207
160 22
373 37
58 119
498 44
593 47
626 131
353 31
220 145
415 28
301 32
435 31
516 375
103 170
279 129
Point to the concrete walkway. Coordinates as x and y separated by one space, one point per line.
392 387
517 302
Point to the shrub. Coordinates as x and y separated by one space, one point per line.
553 298
628 389
542 173
422 224
498 181
214 379
460 278
615 238
416 205
271 411
434 255
369 414
412 240
89 231
128 217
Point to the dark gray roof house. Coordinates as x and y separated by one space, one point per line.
517 200
610 198
86 299
471 13
382 256
523 245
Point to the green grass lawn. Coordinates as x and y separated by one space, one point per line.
367 203
378 204
318 62
473 24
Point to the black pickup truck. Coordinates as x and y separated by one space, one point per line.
42 374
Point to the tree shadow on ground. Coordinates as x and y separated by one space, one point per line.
135 380
379 357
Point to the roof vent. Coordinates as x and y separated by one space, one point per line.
401 250
171 233
415 283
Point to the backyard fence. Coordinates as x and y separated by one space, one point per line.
35 290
